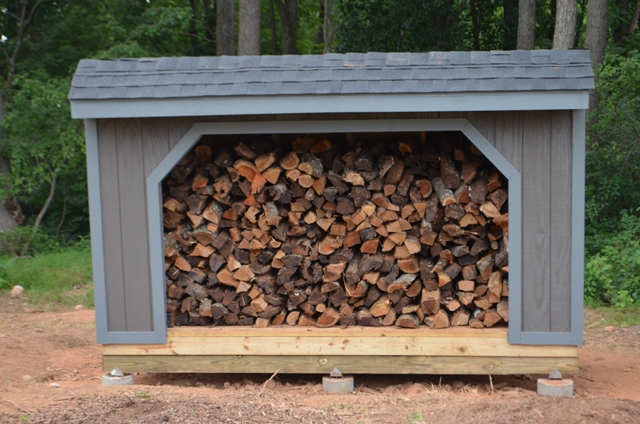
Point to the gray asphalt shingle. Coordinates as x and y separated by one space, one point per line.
351 73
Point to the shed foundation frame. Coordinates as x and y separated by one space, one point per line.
353 350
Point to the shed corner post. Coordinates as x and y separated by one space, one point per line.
577 230
95 222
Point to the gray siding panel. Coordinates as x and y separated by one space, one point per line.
561 154
536 206
155 142
508 137
177 129
133 212
112 240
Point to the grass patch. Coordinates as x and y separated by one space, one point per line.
416 417
52 281
598 316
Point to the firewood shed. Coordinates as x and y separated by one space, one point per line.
523 111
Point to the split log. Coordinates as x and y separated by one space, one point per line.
318 236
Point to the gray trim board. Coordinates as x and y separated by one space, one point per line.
577 229
316 103
154 192
515 260
95 222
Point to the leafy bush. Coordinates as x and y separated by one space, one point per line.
11 242
612 247
612 276
613 157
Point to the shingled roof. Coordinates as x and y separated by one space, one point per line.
352 73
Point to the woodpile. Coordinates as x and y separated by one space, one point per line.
321 233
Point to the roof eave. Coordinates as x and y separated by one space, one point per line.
331 103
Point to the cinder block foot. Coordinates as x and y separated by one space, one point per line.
124 380
557 388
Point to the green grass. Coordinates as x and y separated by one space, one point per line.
416 417
52 281
598 316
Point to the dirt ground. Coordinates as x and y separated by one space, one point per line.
50 373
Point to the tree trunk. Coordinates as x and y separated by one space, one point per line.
510 22
597 29
621 30
43 211
225 27
274 31
526 24
596 38
193 32
7 221
328 31
565 31
475 25
249 28
634 19
288 10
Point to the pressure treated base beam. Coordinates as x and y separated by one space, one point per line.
315 364
354 350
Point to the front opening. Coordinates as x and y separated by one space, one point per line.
371 229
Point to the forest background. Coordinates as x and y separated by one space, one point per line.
43 187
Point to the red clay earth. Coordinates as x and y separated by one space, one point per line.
50 373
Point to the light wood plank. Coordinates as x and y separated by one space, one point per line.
112 241
561 155
133 213
355 331
155 143
346 364
536 222
348 346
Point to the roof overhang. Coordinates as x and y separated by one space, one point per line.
355 103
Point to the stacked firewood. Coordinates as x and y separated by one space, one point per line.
322 233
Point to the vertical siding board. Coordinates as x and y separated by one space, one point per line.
178 127
508 138
112 241
561 155
155 142
536 222
485 123
133 212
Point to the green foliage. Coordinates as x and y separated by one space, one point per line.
41 140
57 280
45 149
393 25
12 241
612 276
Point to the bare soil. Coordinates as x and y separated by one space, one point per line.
50 373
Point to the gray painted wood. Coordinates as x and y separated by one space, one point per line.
364 103
130 156
577 225
561 153
486 124
178 127
133 213
536 220
112 240
155 142
508 136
